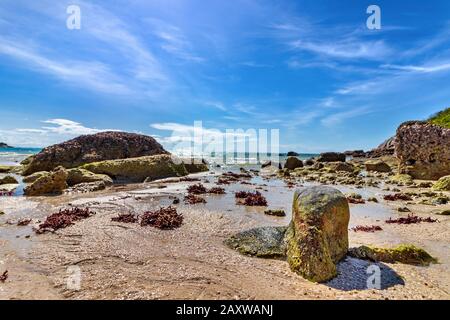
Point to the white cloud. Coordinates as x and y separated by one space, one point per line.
338 117
423 69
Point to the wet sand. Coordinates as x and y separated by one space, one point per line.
127 261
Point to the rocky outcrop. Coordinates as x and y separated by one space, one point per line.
138 169
377 166
6 169
293 163
387 148
341 166
423 150
292 154
331 157
193 165
78 175
93 148
52 183
443 184
317 237
33 177
4 145
355 153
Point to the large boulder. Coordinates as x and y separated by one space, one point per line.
139 169
387 148
78 175
377 166
317 237
423 150
443 184
52 183
331 157
94 148
293 163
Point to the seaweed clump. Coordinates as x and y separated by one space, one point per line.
411 219
367 228
193 199
197 189
125 218
64 218
164 218
216 190
250 198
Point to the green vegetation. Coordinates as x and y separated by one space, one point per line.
441 118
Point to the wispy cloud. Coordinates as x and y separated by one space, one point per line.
421 69
338 117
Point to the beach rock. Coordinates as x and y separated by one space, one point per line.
275 212
52 183
341 166
403 179
8 180
138 169
355 153
8 187
292 154
264 242
407 254
293 163
443 184
331 157
78 175
266 164
387 148
423 150
377 166
309 162
88 187
93 148
317 237
193 165
33 177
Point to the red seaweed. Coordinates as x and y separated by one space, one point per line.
367 228
250 198
196 189
193 199
164 218
64 218
216 190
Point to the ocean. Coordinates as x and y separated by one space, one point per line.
13 156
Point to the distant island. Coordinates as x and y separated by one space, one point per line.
4 145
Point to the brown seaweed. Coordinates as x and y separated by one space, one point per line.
164 218
411 219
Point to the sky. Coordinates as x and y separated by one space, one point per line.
310 68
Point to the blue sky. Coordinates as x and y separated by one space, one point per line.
311 69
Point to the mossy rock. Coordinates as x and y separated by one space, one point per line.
444 213
317 237
51 184
6 169
138 169
8 180
443 184
405 179
264 242
407 254
78 175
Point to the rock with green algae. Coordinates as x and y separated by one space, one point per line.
264 242
8 180
404 179
275 212
138 169
78 175
33 177
443 184
444 213
377 166
407 254
317 237
341 166
53 183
